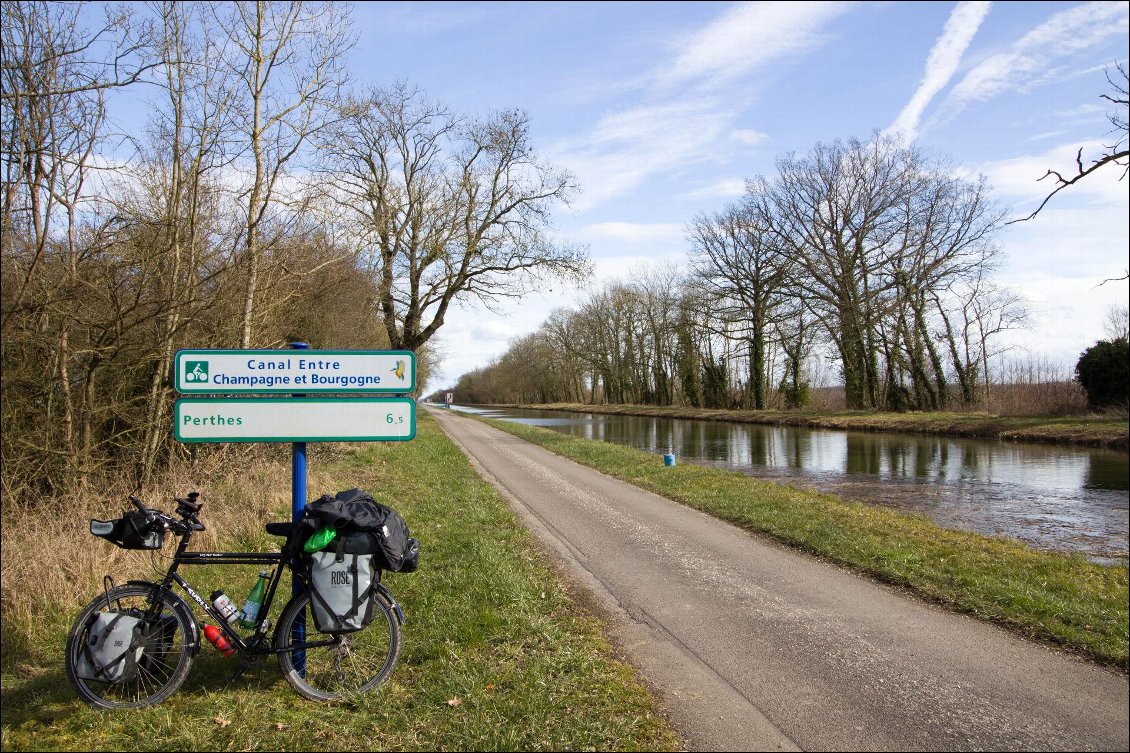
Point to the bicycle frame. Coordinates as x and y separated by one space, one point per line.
256 645
276 559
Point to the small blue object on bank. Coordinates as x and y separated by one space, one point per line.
669 459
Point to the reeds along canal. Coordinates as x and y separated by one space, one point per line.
1051 497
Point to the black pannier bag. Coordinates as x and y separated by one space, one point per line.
355 510
131 531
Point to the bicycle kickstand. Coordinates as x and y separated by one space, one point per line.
237 674
246 660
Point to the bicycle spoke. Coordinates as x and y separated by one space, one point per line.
355 663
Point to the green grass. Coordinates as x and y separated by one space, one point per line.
496 656
1061 599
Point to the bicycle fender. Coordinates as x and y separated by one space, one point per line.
392 601
181 606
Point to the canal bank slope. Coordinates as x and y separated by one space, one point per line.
1094 431
755 646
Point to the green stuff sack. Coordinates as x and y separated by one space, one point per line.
320 540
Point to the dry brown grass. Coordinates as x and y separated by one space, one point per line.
52 564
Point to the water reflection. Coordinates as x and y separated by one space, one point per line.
1049 496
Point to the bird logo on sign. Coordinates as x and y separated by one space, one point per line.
399 370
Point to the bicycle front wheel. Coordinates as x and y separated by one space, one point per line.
156 671
324 667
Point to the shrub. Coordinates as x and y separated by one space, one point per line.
1104 371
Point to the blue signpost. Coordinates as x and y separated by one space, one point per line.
297 510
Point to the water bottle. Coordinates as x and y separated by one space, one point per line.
225 606
216 636
250 611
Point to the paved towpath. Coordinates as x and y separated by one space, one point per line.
753 646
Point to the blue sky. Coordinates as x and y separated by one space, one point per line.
662 110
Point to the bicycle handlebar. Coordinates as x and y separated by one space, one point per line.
186 507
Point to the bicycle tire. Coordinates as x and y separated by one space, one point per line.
356 664
164 664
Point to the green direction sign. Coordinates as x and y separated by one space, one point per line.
288 372
295 419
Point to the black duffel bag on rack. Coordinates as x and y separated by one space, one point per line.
354 510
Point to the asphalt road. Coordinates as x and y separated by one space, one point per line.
752 646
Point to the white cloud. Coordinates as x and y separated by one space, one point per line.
633 232
1080 244
942 62
1035 57
1066 315
1058 259
489 331
1089 111
625 267
423 19
681 126
749 36
1046 135
627 147
730 188
748 136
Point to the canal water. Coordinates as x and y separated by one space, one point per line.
1051 497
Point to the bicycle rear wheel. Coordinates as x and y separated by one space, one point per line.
164 661
346 665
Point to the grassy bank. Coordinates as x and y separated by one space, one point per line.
1097 431
1061 599
496 656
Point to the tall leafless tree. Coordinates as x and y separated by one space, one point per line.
745 266
175 191
446 208
289 57
53 82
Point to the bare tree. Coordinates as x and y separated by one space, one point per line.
446 208
560 332
973 312
740 261
45 36
661 288
52 118
1117 322
52 86
290 58
837 212
950 227
1115 153
176 187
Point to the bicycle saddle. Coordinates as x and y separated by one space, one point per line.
280 529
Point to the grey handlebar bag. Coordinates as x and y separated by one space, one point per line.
114 645
343 585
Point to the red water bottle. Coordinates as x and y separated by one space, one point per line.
216 636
